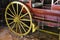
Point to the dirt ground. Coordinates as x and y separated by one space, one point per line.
5 34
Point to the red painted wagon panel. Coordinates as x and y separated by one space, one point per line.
52 15
55 7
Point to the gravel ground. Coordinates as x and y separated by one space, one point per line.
5 34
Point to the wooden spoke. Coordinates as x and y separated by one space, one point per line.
10 15
17 8
20 28
24 19
16 27
13 9
21 11
23 27
11 12
10 19
24 15
24 24
11 23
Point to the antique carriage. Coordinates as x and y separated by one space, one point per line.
25 15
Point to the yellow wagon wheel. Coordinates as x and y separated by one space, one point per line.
18 18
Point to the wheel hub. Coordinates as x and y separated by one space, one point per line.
16 18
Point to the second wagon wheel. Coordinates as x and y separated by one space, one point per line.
18 18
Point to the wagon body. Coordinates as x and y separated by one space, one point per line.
52 15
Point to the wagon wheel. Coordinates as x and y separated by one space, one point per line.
18 18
